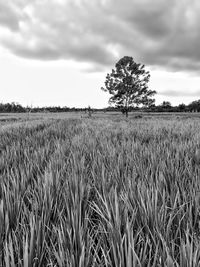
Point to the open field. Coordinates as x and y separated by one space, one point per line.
13 119
105 191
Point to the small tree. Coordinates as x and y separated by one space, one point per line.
194 106
90 111
182 107
166 105
127 84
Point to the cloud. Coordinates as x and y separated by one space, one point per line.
159 33
178 93
9 16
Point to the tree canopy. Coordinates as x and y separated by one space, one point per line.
127 84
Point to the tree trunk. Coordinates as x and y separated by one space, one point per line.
126 113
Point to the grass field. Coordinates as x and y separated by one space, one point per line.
104 191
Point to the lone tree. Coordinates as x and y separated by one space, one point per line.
90 111
127 84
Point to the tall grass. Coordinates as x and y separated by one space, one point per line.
100 193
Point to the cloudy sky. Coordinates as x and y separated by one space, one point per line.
57 52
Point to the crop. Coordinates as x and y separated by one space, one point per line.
108 192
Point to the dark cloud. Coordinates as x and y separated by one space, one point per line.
160 33
9 16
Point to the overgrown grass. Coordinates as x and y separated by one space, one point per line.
100 193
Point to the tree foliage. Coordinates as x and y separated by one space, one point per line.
194 106
128 85
166 104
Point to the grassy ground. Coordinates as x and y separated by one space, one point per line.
100 192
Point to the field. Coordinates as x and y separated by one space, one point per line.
101 191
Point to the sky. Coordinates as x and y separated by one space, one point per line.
58 52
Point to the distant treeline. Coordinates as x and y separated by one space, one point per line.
164 107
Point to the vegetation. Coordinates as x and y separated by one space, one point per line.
165 106
11 107
100 193
90 111
127 84
195 105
